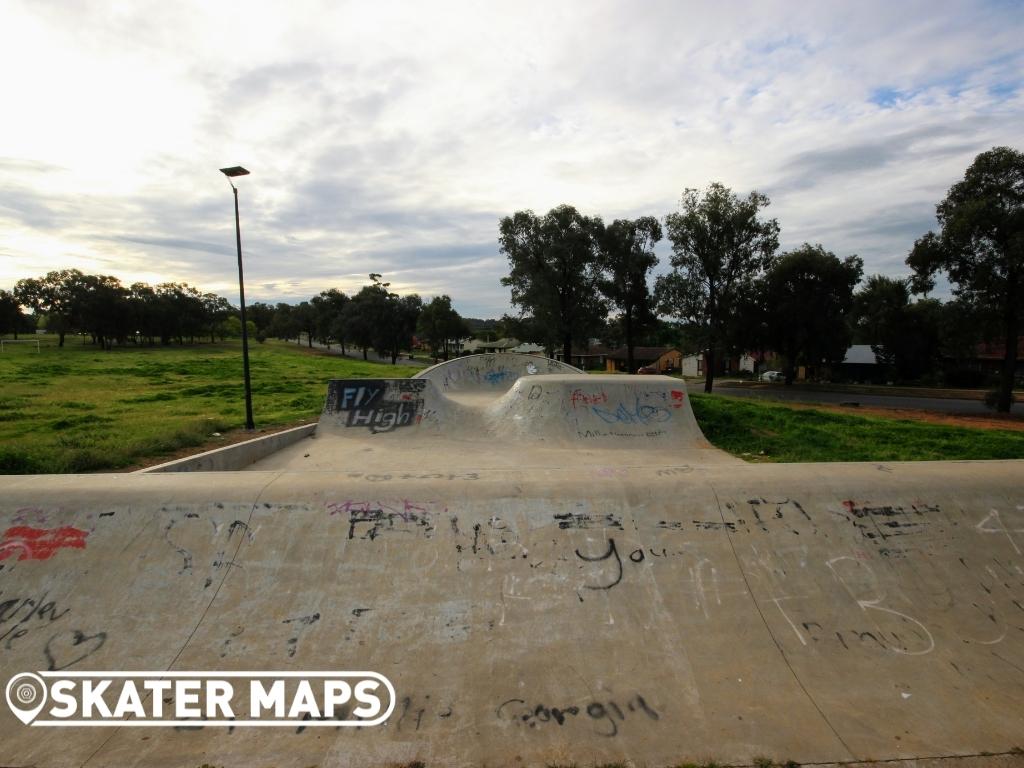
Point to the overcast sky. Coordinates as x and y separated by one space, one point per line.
392 137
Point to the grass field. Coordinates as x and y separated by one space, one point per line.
759 431
79 409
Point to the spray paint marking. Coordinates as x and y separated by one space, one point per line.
40 543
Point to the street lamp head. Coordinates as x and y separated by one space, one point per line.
234 171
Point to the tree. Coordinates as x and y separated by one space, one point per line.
304 315
329 307
395 330
103 309
439 325
719 247
554 269
262 315
980 246
56 295
877 311
807 295
626 258
285 325
10 314
904 335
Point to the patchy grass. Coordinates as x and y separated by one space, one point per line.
80 409
760 431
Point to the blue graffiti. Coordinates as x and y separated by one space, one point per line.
639 414
496 377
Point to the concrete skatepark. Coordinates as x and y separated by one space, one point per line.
552 568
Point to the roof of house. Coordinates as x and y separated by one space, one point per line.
528 348
996 350
860 354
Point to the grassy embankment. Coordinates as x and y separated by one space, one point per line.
79 409
759 431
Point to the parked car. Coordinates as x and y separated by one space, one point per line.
772 377
647 370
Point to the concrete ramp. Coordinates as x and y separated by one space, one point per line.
490 373
604 419
557 571
582 614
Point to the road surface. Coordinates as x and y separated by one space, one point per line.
797 395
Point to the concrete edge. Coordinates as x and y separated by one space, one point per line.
237 456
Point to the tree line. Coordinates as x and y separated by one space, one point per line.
730 291
68 301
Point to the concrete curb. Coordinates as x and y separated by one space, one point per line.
237 456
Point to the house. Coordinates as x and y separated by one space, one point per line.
663 359
528 348
861 364
694 364
587 359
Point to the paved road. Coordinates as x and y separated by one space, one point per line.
784 393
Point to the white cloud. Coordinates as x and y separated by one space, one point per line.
391 137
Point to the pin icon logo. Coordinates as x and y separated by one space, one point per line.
26 695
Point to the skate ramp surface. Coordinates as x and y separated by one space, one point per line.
559 572
489 373
536 420
577 614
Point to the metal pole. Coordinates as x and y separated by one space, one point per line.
249 425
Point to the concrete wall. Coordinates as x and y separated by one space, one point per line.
237 456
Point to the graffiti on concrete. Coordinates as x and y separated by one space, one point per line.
27 543
605 717
370 519
380 405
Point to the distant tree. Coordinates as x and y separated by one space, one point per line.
905 335
179 312
980 246
103 309
719 247
262 315
439 325
285 325
10 314
554 270
808 294
394 333
57 295
527 328
217 309
878 308
329 308
626 258
358 318
304 316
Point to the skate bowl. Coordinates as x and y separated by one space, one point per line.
489 372
561 573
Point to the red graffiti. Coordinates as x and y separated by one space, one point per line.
579 396
677 398
39 543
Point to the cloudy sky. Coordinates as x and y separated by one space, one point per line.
391 137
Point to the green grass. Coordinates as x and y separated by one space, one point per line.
759 431
80 409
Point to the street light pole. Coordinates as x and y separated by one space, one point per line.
231 173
